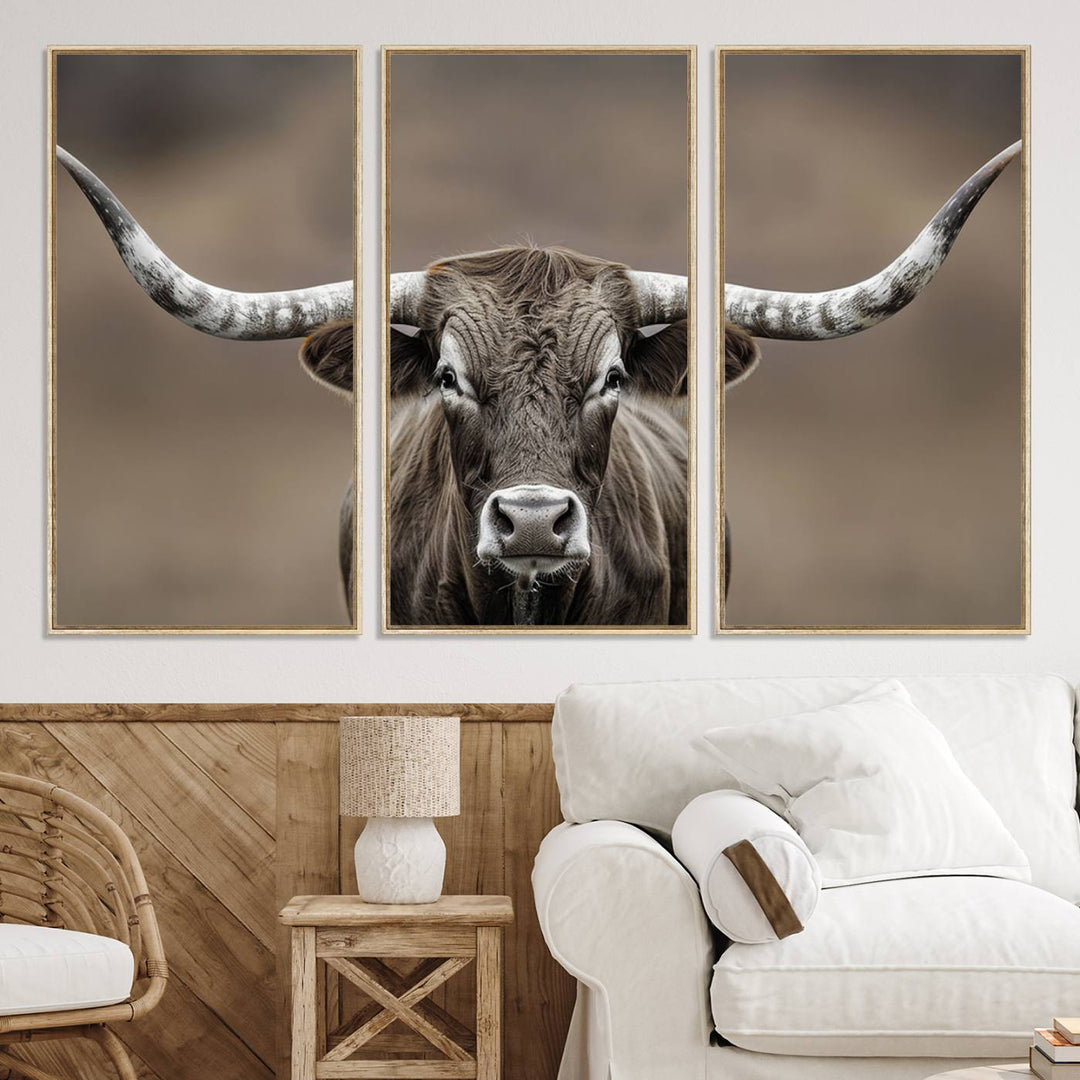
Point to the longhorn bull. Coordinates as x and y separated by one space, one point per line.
538 469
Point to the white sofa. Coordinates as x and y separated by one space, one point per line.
895 980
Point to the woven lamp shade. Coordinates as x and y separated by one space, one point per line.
400 766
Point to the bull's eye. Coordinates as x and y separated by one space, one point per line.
446 379
615 378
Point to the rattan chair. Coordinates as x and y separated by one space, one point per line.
64 863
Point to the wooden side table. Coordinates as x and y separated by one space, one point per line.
353 938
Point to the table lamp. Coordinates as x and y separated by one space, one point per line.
400 772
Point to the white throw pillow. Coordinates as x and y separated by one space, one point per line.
873 788
758 881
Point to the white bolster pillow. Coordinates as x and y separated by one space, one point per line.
758 880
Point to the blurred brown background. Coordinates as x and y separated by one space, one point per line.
584 151
199 480
876 480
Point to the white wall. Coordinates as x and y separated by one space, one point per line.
35 667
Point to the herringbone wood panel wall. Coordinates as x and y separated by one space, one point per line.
233 809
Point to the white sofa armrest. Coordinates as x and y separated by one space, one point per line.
626 920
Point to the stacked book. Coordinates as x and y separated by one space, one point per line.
1055 1051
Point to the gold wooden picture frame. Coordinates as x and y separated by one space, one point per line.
252 104
789 122
399 297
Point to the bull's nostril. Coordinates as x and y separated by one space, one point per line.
564 523
504 524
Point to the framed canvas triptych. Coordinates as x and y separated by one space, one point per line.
540 341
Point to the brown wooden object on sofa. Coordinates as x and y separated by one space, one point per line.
64 863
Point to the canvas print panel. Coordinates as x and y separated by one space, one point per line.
539 335
873 470
199 475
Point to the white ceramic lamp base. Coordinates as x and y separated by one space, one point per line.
400 861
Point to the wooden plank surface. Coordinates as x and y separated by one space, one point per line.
187 813
474 839
539 995
189 1041
240 757
351 911
270 713
489 1003
391 1070
387 940
306 831
76 1059
305 1000
474 842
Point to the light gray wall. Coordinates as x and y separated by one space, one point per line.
34 667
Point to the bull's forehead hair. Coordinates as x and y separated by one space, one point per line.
526 283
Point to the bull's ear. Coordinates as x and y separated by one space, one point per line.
411 364
327 356
657 364
741 355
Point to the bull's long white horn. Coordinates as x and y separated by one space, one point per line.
661 298
242 316
406 292
820 316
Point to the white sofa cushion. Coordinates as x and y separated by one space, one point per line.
709 838
872 788
731 1063
949 966
625 751
46 969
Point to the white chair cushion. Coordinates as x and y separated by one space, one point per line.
923 967
46 969
625 751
